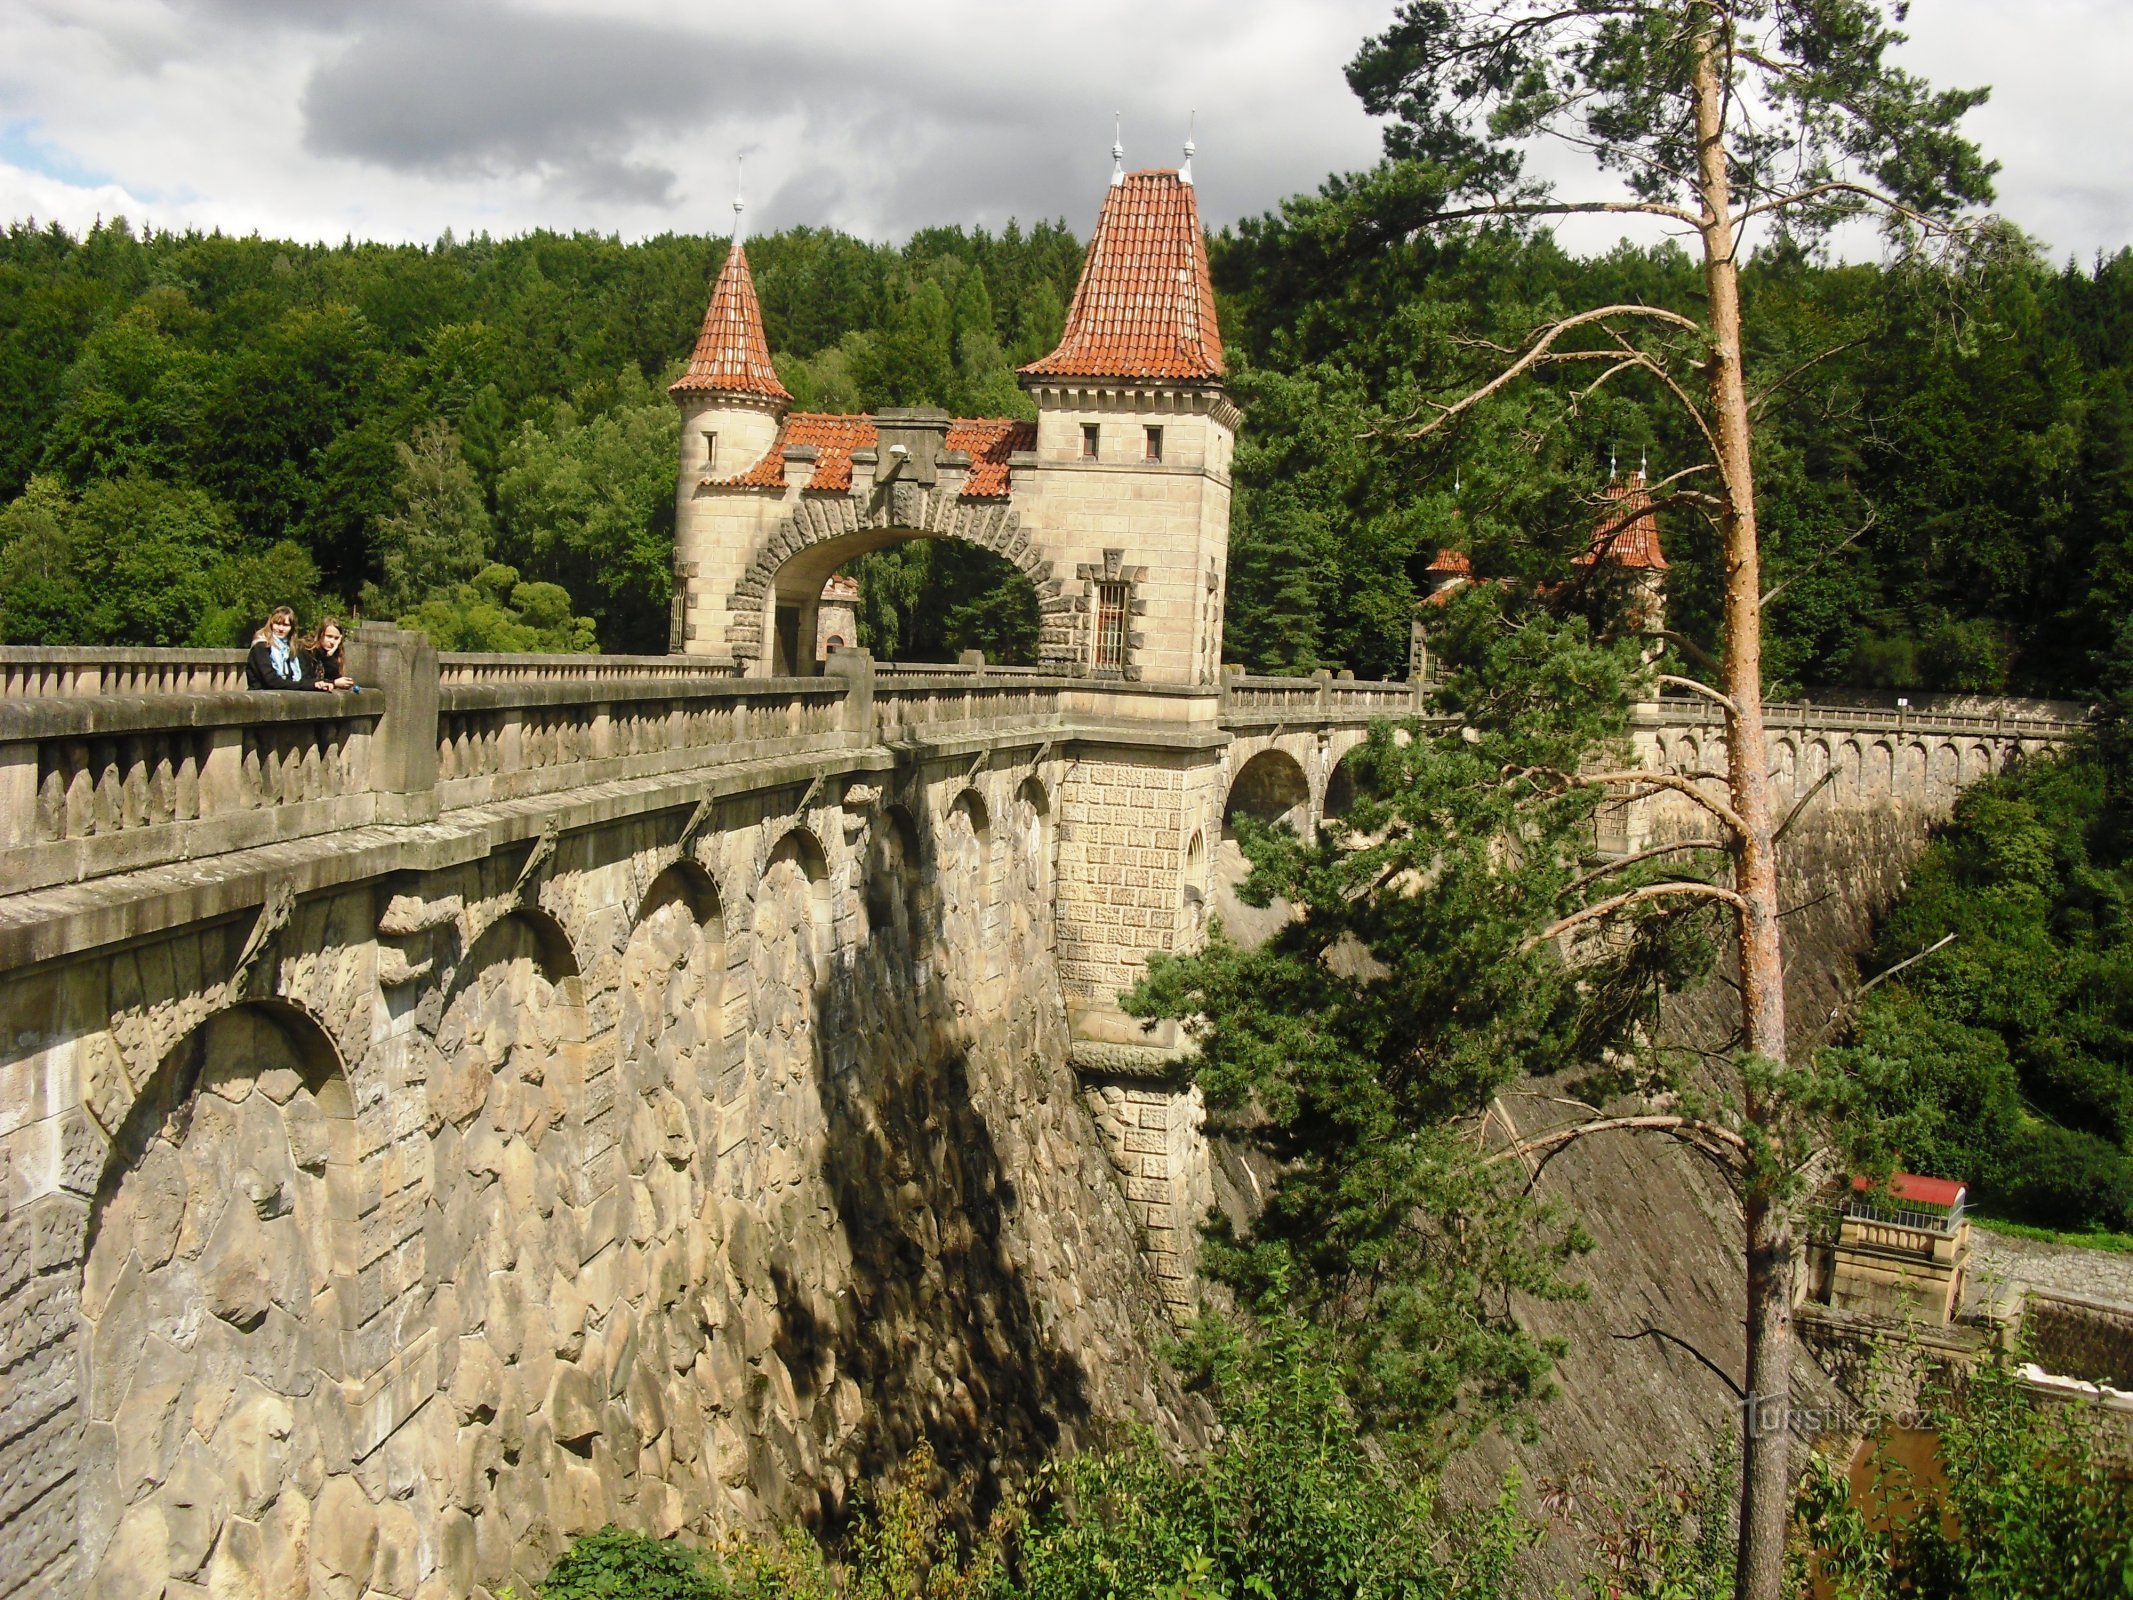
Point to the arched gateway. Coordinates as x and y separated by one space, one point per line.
1114 502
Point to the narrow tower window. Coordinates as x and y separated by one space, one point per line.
710 450
1111 624
1153 450
1088 441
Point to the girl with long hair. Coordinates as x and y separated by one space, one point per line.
323 665
274 662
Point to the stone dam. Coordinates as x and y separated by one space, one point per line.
537 1092
532 1092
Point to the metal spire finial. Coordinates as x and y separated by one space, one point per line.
1643 461
1611 473
739 205
1118 148
1185 172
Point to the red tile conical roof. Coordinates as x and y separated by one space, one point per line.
731 355
1145 307
1627 533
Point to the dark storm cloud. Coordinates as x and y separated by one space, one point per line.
480 89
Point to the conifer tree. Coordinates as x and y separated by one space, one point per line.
1721 120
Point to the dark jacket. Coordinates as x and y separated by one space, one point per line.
259 670
319 667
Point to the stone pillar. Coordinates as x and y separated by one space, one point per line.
403 762
856 667
1153 1134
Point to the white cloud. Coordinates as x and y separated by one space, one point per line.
394 119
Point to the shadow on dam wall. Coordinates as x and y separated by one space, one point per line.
1666 1228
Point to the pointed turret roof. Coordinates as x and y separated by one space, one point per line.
1145 307
731 355
1627 532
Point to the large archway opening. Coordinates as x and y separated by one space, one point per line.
921 597
1271 788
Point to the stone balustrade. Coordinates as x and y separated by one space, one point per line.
502 740
93 784
113 760
67 671
1249 699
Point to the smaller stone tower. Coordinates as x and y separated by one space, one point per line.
731 406
1625 537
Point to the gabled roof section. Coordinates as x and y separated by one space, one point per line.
731 355
988 441
1145 307
1627 532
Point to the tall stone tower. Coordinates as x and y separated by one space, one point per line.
1135 434
1114 504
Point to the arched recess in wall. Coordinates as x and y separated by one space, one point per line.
965 883
894 895
511 1034
788 967
1878 777
1911 766
1272 788
221 1302
1784 770
1196 882
670 1020
1034 835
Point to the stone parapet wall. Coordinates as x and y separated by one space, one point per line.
671 1170
2078 1338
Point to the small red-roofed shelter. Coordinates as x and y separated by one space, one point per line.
1911 1189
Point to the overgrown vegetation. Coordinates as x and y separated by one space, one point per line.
2024 1500
2006 1058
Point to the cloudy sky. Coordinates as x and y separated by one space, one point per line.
396 119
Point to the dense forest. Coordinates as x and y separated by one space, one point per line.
474 433
195 427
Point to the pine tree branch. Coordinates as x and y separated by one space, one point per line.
1657 780
1851 1000
1687 888
1538 350
1769 393
1864 528
1656 851
1690 1130
1800 805
1704 689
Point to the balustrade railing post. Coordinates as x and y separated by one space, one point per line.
1325 692
403 765
856 667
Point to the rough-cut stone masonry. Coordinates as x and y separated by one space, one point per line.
623 1095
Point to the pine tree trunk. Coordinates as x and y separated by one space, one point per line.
1766 1433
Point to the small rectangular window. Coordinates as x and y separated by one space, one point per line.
1110 625
710 450
1154 447
1088 441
